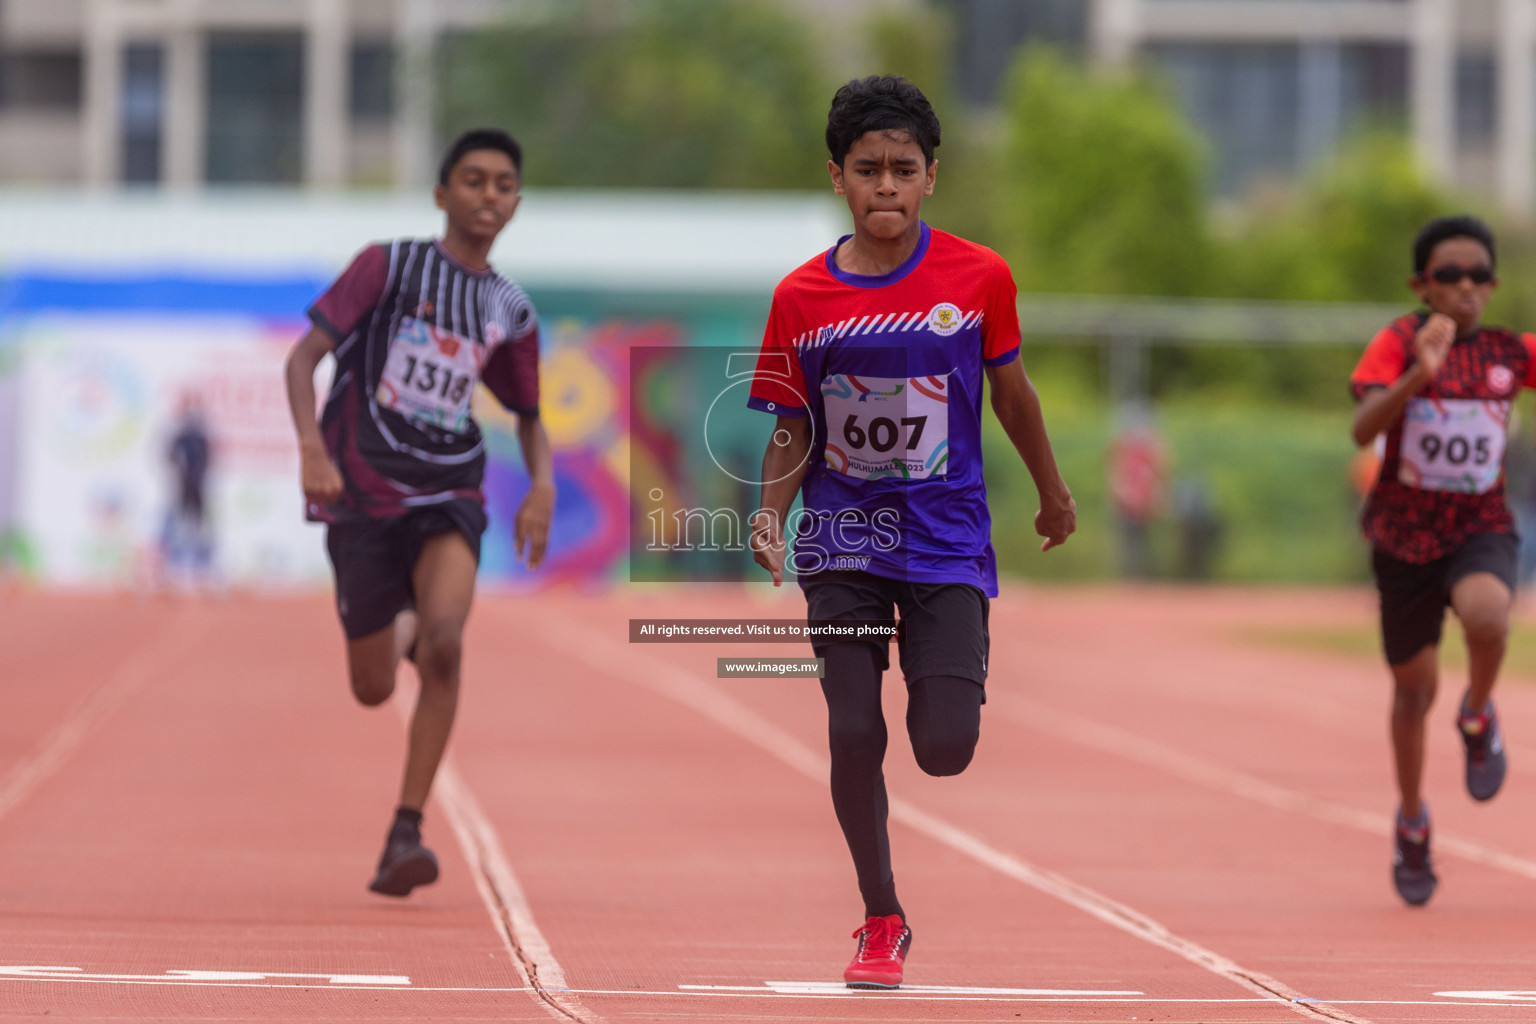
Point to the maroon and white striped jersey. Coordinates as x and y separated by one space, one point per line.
415 331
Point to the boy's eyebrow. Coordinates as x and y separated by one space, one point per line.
900 161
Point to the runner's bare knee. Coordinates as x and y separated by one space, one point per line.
439 648
370 685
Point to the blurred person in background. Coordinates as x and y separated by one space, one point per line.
1200 528
1137 464
186 542
1440 386
873 363
396 462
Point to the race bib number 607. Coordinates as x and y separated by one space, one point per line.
887 426
1453 444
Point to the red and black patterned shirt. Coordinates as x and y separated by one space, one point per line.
415 331
1441 478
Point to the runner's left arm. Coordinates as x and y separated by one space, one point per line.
512 375
538 507
1017 406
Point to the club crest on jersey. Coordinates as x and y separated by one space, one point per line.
945 319
1500 379
494 333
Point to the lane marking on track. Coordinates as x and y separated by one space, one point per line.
1498 995
807 988
692 691
182 976
65 739
1117 742
769 990
498 886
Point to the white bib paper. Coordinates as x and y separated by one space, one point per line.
430 376
887 426
1453 444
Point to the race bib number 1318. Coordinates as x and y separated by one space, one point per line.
430 375
887 426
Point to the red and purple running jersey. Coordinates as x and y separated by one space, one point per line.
415 331
890 370
1442 474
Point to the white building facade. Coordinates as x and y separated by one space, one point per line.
179 93
1277 85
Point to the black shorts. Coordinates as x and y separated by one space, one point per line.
943 628
373 560
1414 597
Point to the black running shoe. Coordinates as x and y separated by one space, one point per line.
405 864
1412 872
1484 740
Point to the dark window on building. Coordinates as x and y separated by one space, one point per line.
1277 110
1244 99
1477 90
989 33
1379 81
373 80
40 80
255 108
143 112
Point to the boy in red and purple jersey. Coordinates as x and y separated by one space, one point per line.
395 464
1440 386
873 363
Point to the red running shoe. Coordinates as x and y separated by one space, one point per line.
883 945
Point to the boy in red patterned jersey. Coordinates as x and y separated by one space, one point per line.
1440 385
875 359
395 464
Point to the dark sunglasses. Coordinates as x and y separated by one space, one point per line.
1452 274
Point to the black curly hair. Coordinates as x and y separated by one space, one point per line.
880 103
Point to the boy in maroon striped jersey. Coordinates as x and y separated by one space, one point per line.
394 465
1440 386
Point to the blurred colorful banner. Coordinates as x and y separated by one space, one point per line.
93 372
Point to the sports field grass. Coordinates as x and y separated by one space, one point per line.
1362 640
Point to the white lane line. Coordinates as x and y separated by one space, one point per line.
838 988
1117 742
623 662
182 976
498 886
791 990
65 739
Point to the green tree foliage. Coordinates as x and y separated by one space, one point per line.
1346 235
1099 184
918 43
650 93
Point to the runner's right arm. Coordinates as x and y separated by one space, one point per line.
319 475
1380 405
783 471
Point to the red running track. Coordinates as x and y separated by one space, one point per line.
1163 823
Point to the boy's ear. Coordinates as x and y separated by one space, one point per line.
1419 285
439 196
933 170
834 169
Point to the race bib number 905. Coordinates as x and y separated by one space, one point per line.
1453 444
430 376
887 426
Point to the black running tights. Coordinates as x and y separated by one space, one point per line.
943 721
